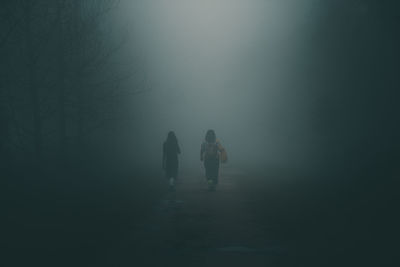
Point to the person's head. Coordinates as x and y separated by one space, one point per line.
210 136
171 138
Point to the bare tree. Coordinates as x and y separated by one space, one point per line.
62 88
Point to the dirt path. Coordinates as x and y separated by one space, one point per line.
196 227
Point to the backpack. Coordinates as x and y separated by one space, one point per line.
211 150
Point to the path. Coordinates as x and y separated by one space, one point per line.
196 227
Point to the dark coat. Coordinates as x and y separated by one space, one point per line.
170 158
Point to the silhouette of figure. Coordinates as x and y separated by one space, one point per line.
210 153
170 158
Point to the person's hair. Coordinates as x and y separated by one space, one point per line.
210 136
171 138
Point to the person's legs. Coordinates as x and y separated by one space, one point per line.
207 168
209 173
171 178
212 168
174 175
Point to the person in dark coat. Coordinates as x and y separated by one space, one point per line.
171 151
210 153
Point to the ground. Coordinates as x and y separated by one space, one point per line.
275 217
196 227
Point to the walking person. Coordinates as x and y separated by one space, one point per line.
171 151
211 154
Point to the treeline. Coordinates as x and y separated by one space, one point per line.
59 89
354 87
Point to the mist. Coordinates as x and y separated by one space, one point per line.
227 67
302 96
282 83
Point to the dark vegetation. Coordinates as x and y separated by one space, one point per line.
61 103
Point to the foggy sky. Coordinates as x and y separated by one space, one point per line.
223 65
287 83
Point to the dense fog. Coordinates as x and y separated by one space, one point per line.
306 84
302 94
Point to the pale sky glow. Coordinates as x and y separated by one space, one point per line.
215 64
